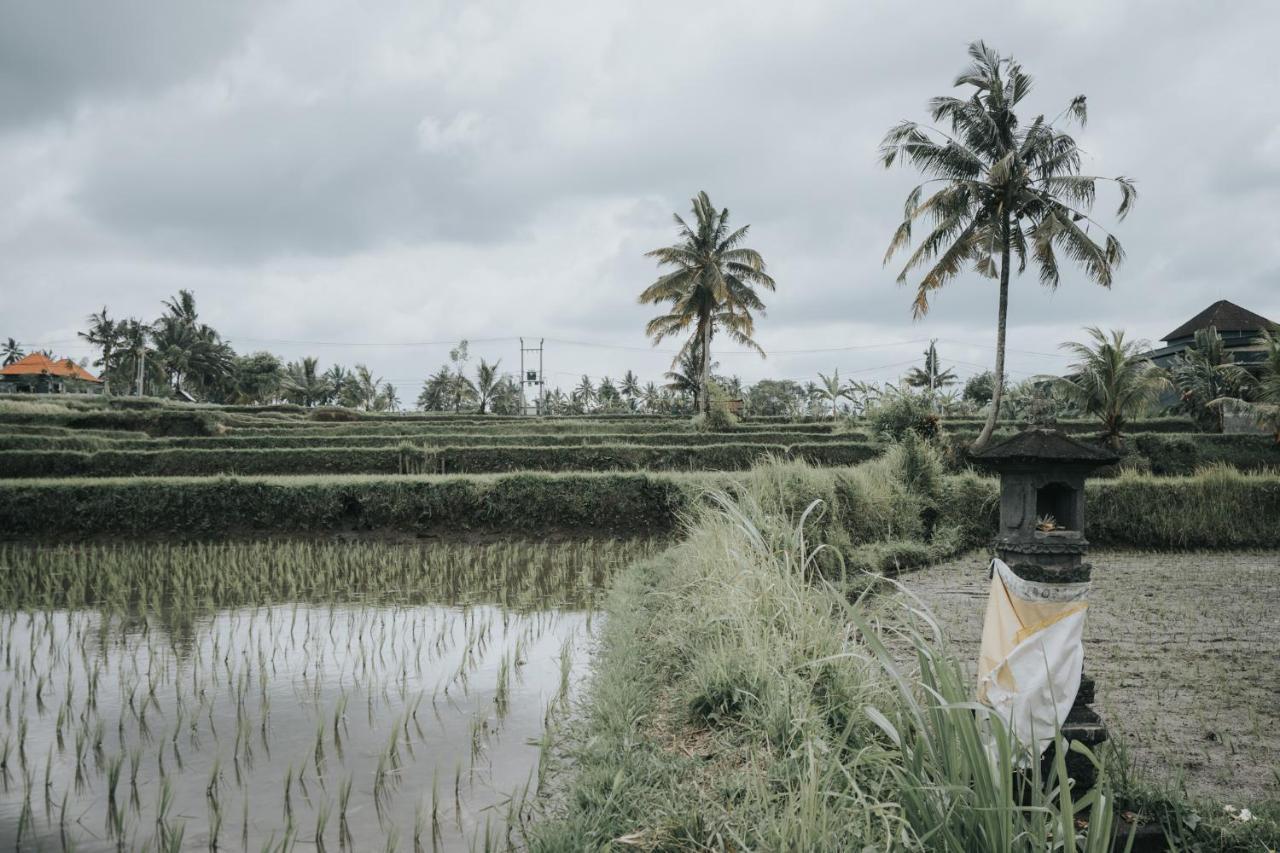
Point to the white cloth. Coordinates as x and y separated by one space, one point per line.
1032 653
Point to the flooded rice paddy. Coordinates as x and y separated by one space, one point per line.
255 696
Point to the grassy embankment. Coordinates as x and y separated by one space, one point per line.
743 699
1232 509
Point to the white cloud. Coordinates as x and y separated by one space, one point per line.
320 170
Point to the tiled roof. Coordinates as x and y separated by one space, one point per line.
38 363
1225 317
1044 445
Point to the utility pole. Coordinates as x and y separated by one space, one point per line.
142 361
532 378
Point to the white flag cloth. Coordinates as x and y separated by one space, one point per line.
1032 653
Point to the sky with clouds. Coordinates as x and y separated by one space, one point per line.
370 182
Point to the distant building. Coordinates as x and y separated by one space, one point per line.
1239 327
39 374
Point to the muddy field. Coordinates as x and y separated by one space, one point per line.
1185 648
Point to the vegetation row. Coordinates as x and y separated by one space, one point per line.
72 456
1215 508
237 440
410 459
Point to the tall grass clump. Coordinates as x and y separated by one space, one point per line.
744 702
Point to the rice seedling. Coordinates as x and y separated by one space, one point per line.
158 680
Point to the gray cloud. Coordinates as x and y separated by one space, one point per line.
325 171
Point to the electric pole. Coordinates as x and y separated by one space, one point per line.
531 378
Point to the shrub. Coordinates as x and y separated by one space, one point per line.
718 419
895 415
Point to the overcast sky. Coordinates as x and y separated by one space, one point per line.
358 180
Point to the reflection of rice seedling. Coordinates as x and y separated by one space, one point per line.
220 654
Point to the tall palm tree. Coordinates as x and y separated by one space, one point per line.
830 390
388 400
651 398
683 377
607 393
335 379
190 350
1205 372
136 363
1006 188
1112 380
630 389
712 286
487 378
462 391
304 384
931 376
12 352
435 394
103 333
585 393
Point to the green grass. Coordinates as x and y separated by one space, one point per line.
740 704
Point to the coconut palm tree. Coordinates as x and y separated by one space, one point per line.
1264 408
487 378
829 390
683 379
435 396
136 362
630 389
712 287
651 398
461 391
303 383
1205 372
12 352
1005 188
607 393
104 334
585 393
190 350
1112 380
387 400
931 376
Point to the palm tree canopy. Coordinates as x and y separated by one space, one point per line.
13 351
994 172
1205 372
711 286
1111 378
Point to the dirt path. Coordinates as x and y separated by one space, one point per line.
1185 648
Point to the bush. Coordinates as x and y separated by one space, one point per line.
894 416
718 419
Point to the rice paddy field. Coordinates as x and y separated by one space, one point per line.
278 628
1183 650
342 696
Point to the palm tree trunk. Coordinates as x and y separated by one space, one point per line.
1002 319
705 383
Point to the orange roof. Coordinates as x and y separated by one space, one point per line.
38 363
